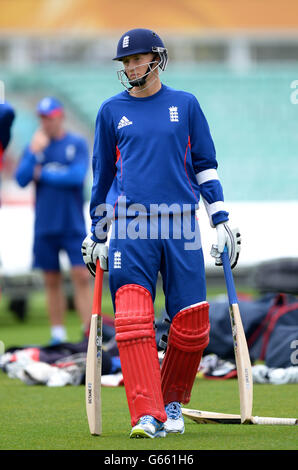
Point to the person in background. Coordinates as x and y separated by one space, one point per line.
7 116
57 161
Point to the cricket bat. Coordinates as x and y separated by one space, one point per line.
243 364
94 359
209 417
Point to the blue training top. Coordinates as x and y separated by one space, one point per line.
154 150
59 191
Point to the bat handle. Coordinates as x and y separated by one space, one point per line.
96 306
229 277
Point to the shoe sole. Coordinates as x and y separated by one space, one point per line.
174 432
141 434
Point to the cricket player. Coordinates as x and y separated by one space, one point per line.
7 116
57 161
153 159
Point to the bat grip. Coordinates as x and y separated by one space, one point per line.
96 306
275 421
229 277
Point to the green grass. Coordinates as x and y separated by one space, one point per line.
44 418
39 418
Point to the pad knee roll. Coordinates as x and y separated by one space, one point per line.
188 337
135 336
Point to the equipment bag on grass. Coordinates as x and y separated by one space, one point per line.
276 338
271 328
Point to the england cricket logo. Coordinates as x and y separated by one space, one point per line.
125 42
174 114
70 152
117 260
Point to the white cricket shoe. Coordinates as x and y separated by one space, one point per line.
175 421
148 426
281 376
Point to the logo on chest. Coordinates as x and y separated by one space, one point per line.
174 117
124 122
70 152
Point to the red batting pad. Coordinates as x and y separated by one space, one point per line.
135 336
188 337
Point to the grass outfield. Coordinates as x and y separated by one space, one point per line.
43 418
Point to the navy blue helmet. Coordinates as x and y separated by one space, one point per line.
142 41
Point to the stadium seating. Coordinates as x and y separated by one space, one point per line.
94 16
252 118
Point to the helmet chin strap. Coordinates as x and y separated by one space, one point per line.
138 82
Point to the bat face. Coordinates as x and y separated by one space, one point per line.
89 393
234 329
94 358
93 375
243 364
209 417
247 364
99 338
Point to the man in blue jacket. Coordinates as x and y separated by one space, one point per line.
57 162
7 116
153 159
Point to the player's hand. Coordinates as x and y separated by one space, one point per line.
229 238
39 141
92 251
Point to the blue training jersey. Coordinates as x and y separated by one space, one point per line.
154 150
59 191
